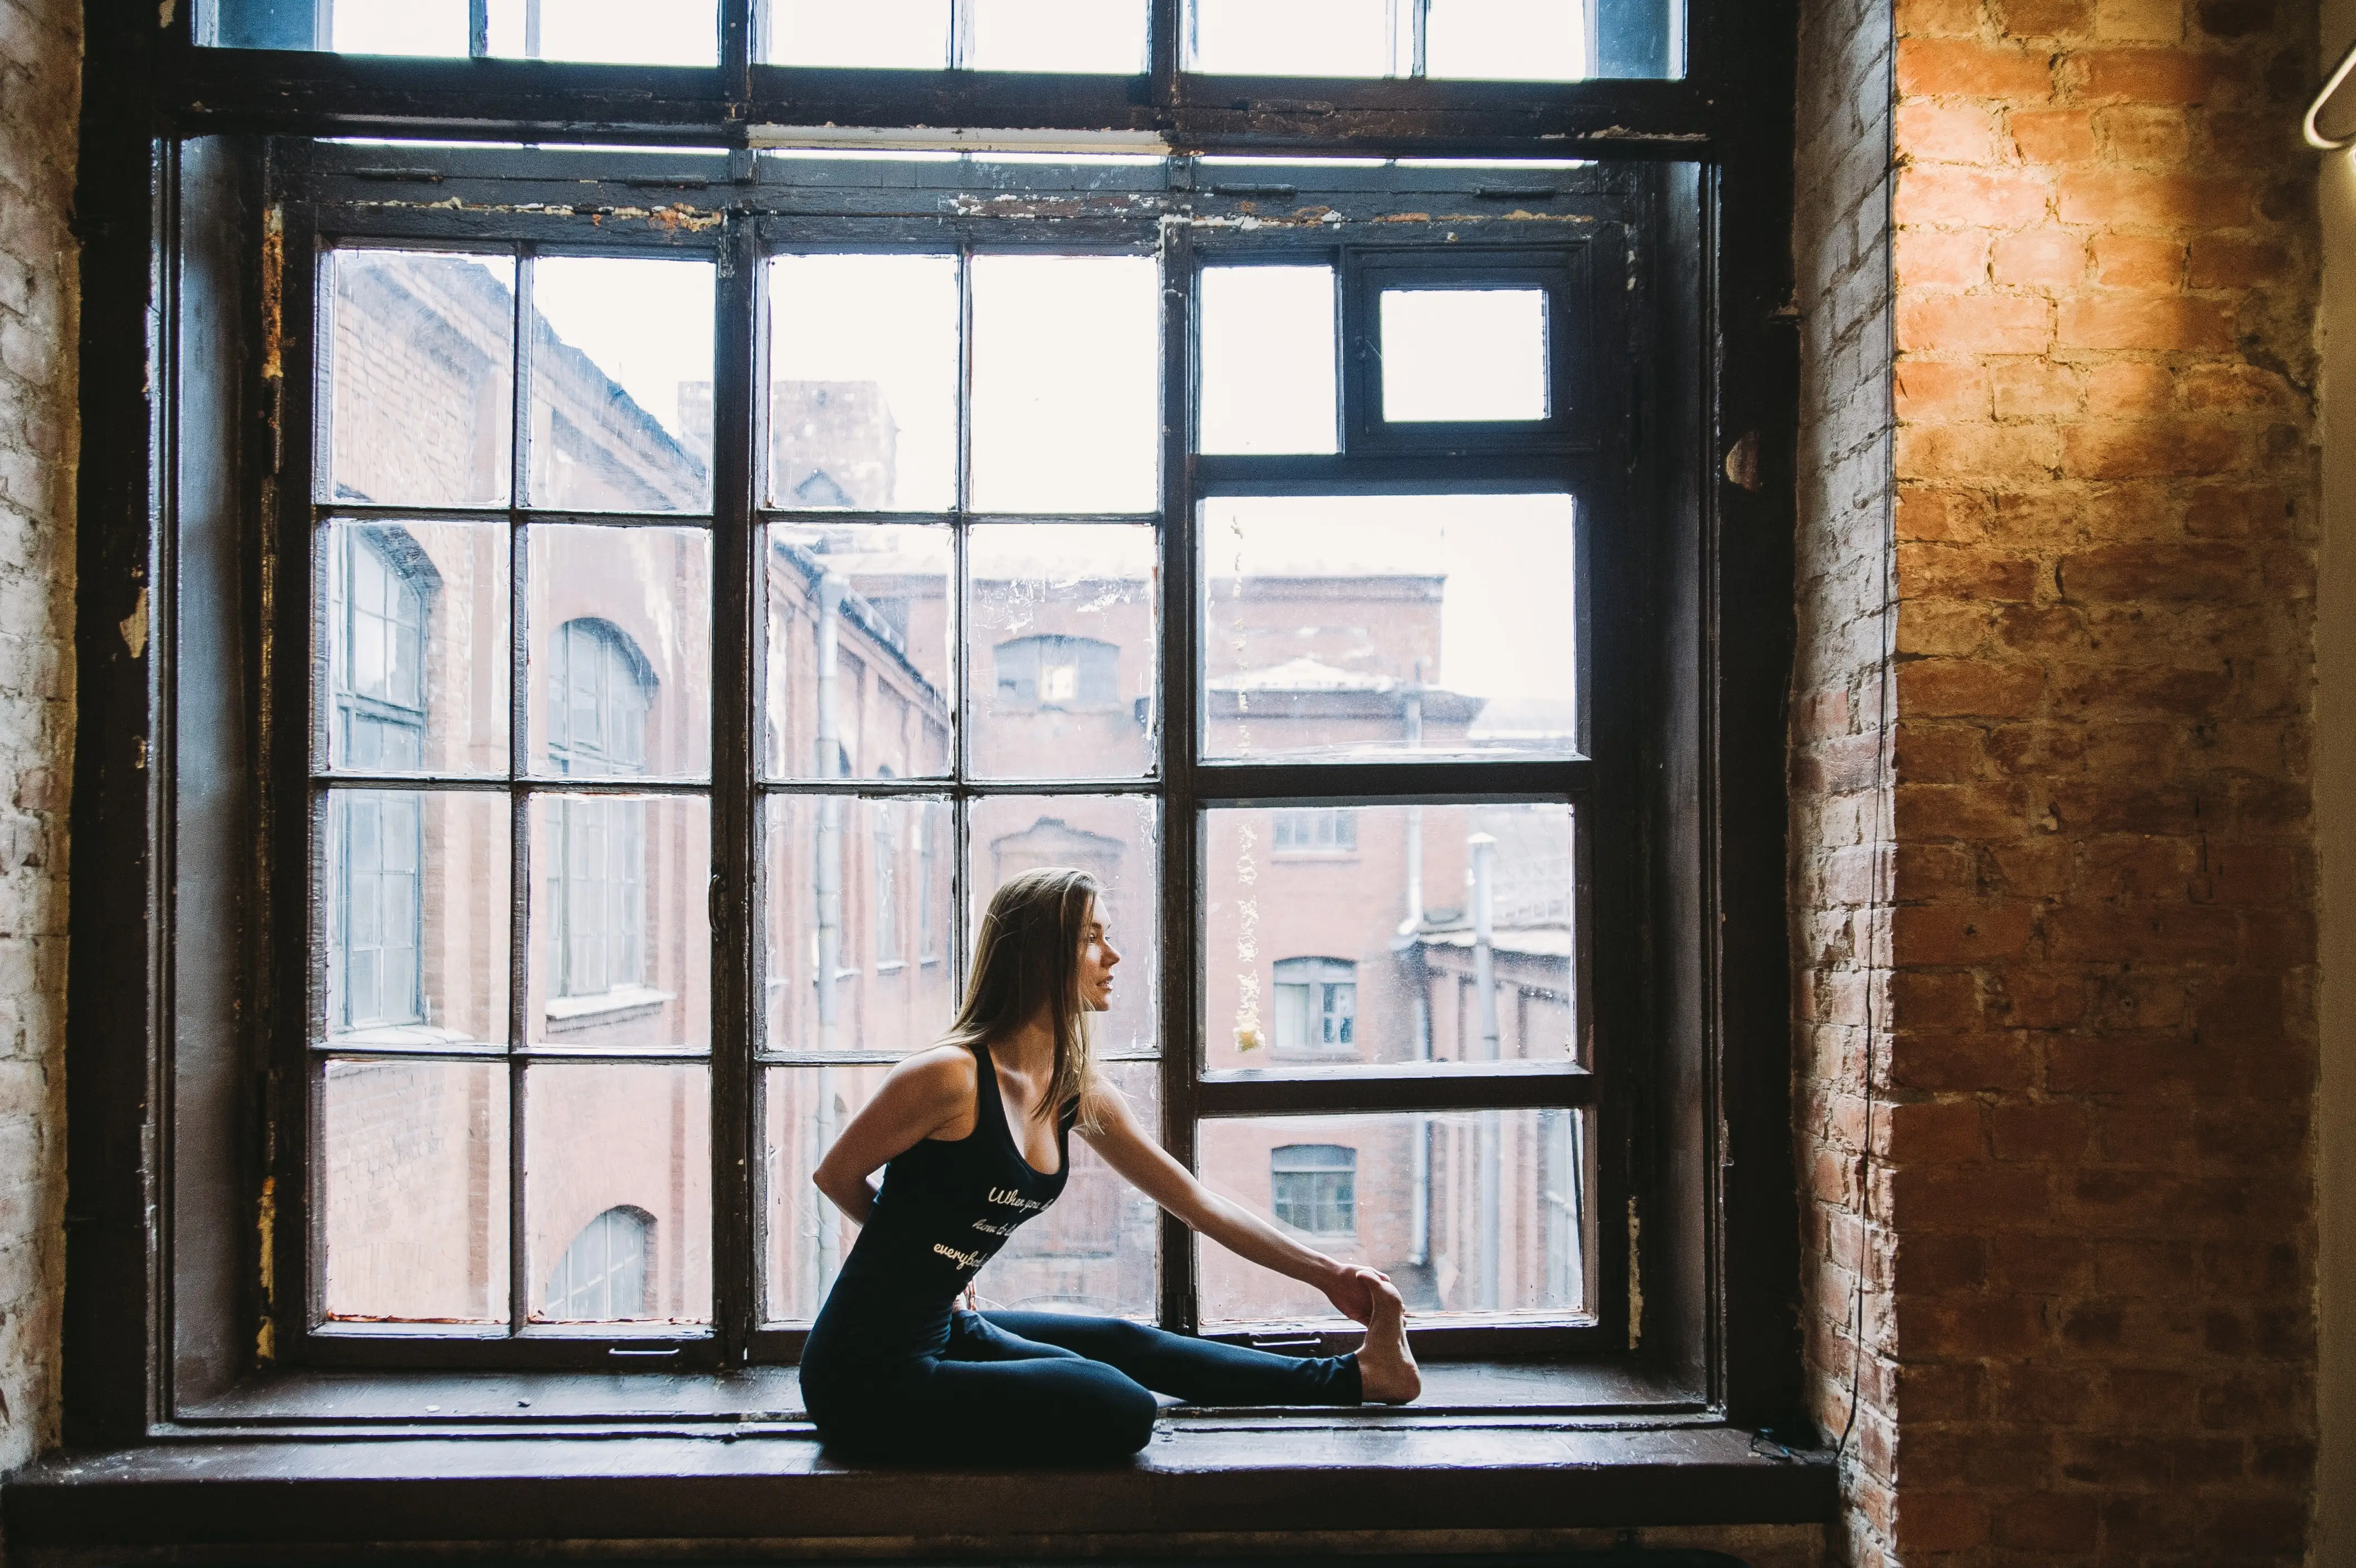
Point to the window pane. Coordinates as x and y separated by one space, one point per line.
1066 384
415 642
621 930
1475 1214
617 1193
909 34
414 911
413 1191
1115 838
1060 643
415 377
855 914
1106 36
1526 40
1445 935
627 32
396 27
619 675
1464 354
1298 38
1268 377
621 384
858 668
1092 1251
863 382
1400 626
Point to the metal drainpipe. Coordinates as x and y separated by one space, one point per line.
827 876
1419 1244
1484 984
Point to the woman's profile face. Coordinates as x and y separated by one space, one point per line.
1097 956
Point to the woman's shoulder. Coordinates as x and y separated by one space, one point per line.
947 1072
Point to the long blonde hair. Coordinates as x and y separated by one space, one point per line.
1026 957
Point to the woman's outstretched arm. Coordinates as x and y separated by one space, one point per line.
928 1094
1130 1150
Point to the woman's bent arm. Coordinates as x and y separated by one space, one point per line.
925 1096
1147 1164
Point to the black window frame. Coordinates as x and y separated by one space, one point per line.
181 195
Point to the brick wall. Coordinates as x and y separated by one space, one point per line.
40 66
2091 1188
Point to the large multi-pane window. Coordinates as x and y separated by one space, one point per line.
1247 575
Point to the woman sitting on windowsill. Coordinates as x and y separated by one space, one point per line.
972 1136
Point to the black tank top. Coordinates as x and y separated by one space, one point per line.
946 1207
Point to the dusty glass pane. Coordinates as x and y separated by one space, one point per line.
414 638
907 35
1403 626
1526 40
1091 1251
1106 36
626 32
1114 838
617 1193
621 384
415 377
1298 38
414 908
855 917
1464 354
619 669
413 1203
857 676
1268 379
1066 384
621 928
863 382
1473 1214
1060 645
397 26
1338 935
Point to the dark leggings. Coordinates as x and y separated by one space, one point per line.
1017 1387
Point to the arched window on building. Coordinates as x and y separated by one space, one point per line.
603 1275
601 689
379 588
1051 671
1315 1187
1316 1007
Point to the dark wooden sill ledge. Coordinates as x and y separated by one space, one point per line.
718 1494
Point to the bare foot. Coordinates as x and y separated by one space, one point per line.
1387 1374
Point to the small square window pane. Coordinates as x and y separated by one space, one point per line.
1268 339
621 403
619 675
415 907
1294 38
1475 1215
863 382
1314 957
396 27
415 646
413 1206
1101 36
621 924
1352 626
1066 384
856 922
1507 40
1464 354
416 378
1092 1251
1115 838
617 1193
904 35
1060 644
858 671
623 32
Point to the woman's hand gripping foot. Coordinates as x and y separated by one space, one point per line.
1386 1372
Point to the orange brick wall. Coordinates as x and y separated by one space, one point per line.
2090 1181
